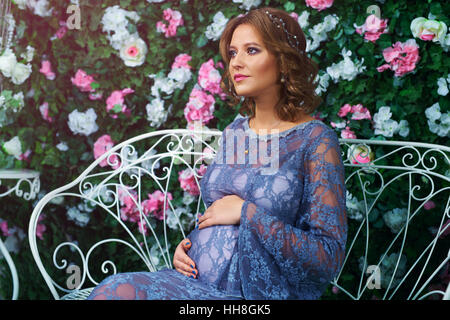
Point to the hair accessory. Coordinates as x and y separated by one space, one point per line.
292 39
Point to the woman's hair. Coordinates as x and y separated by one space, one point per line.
298 91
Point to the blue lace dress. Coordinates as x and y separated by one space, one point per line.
290 242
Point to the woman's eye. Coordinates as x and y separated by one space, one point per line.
230 53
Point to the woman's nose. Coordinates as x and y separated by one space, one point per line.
237 61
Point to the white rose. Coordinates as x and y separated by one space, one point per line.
13 147
21 3
83 122
20 73
133 51
7 62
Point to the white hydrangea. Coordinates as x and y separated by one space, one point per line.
434 114
355 208
443 86
345 69
80 218
395 219
181 76
186 218
303 19
29 54
156 113
387 268
384 125
445 44
318 33
164 84
248 4
83 122
40 7
62 146
214 30
188 198
115 23
324 79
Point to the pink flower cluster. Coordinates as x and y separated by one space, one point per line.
46 70
319 4
115 102
358 112
373 28
209 78
62 29
200 106
401 57
187 180
154 204
40 228
102 145
181 61
174 18
84 82
43 108
4 228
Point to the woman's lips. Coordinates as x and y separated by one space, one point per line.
240 78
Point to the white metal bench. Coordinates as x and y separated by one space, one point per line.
397 253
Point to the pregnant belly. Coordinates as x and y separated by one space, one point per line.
212 249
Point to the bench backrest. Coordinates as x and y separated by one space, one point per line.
143 195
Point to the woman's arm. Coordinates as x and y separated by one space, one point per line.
315 246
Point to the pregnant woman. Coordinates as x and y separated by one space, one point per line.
275 227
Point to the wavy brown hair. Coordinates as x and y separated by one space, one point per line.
298 91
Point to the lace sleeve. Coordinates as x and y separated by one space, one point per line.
313 249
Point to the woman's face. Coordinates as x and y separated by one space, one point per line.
254 61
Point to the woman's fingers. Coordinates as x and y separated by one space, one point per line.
182 262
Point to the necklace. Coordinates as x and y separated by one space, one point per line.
246 151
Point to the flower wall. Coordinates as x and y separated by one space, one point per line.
76 85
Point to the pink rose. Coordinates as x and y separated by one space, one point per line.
40 228
319 4
348 134
46 69
102 145
181 61
360 113
43 108
117 98
346 108
4 228
401 57
429 205
83 81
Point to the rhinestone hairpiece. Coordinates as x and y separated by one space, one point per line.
292 39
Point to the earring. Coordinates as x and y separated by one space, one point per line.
282 78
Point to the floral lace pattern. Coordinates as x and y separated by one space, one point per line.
290 242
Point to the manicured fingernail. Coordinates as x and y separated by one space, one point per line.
193 271
188 243
191 276
192 266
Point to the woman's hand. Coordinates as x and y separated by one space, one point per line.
226 210
181 260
